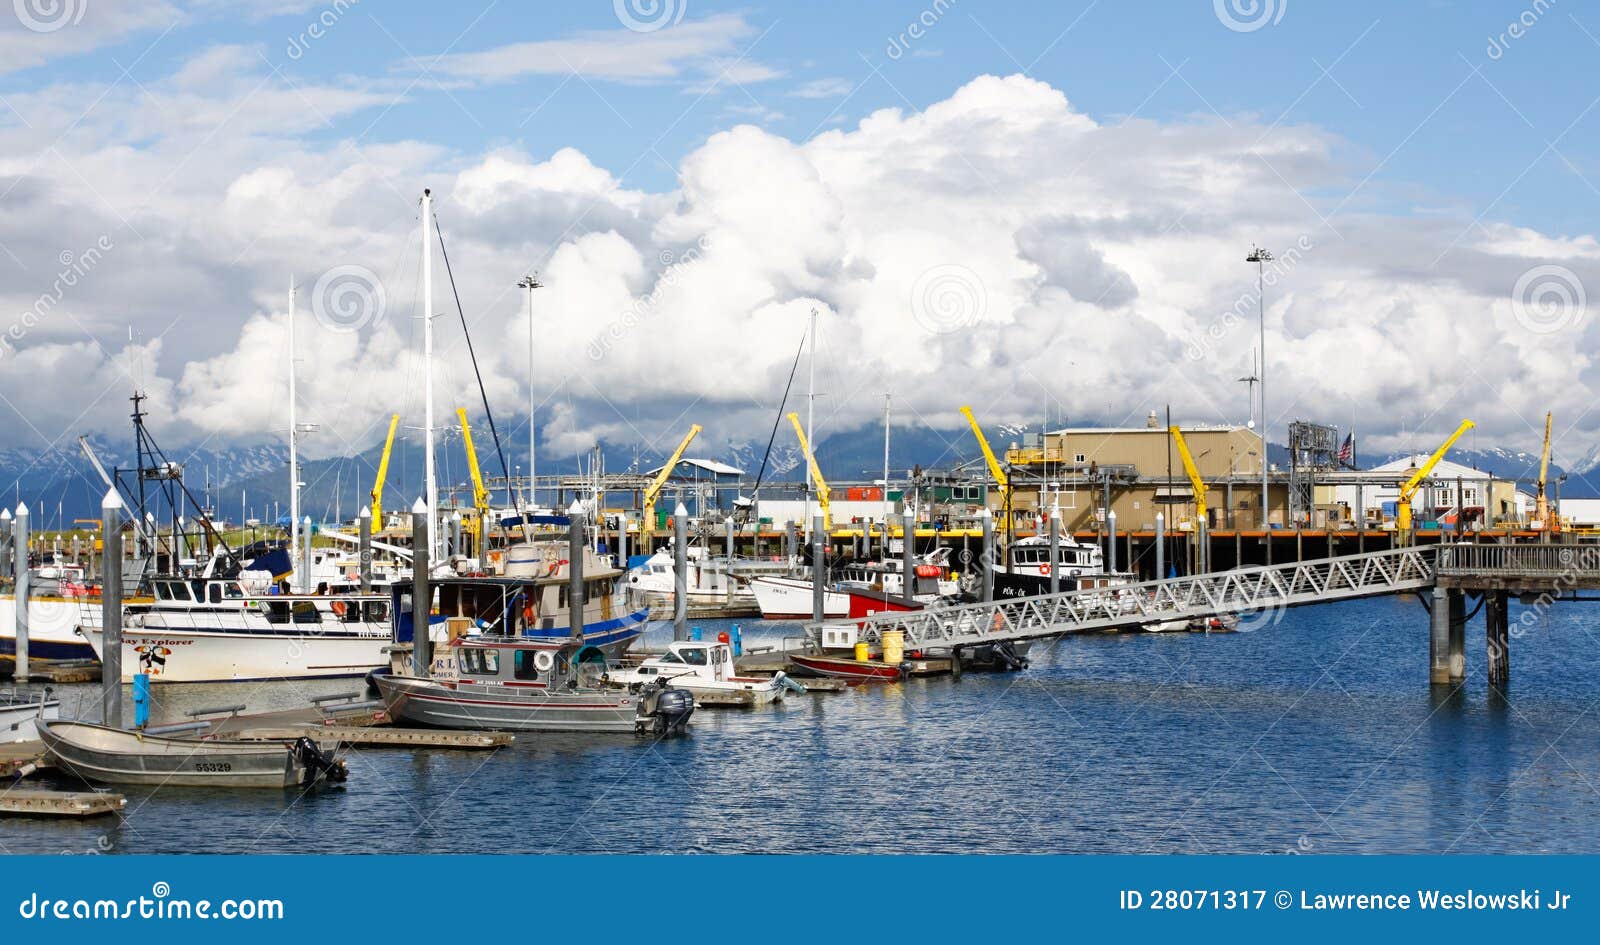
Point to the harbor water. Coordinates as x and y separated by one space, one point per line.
1311 731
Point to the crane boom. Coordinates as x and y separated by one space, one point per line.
1409 487
653 491
480 495
821 484
1195 482
383 473
995 469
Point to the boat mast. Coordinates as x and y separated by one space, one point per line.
427 369
296 579
886 398
811 407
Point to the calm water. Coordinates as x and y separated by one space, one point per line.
1314 734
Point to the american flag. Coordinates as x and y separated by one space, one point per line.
1347 452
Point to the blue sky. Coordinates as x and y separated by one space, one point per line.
1083 177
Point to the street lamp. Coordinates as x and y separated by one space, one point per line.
530 283
1261 257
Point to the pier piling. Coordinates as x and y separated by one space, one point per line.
908 557
680 572
1458 636
819 567
1497 629
421 589
575 595
1111 542
364 521
986 561
19 563
111 610
1055 551
1439 638
1161 547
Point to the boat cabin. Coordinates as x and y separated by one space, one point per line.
520 662
226 595
691 658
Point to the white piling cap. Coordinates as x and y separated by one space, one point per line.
112 500
419 506
576 508
5 516
680 510
306 520
455 516
985 513
365 512
22 509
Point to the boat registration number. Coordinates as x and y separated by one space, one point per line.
213 766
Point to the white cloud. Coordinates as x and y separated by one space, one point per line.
1000 248
823 88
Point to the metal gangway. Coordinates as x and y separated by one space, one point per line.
1221 593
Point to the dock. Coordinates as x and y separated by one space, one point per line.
376 736
19 759
60 803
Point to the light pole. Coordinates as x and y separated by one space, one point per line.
530 283
1261 257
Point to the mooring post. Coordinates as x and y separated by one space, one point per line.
680 573
1111 542
111 609
19 565
1458 636
364 522
622 543
819 567
575 547
5 542
791 549
306 585
1055 551
1161 547
729 523
1495 622
908 555
421 590
987 521
1439 638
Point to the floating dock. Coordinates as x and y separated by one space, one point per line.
383 736
60 803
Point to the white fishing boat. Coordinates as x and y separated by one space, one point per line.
54 621
707 670
21 710
233 630
790 598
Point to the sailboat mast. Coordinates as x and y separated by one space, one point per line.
811 408
427 369
296 579
886 398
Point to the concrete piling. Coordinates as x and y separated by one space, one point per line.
1458 636
421 589
908 559
19 565
680 572
1055 551
987 560
819 567
364 521
111 610
1111 542
1161 546
1497 628
575 589
1439 638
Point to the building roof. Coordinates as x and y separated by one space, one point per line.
1187 429
1445 470
709 465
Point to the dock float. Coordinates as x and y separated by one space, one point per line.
20 759
382 736
60 803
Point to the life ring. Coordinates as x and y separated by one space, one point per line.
1044 569
338 608
542 661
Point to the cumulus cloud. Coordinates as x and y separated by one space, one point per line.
1000 248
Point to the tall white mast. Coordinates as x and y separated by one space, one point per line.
427 369
886 398
811 409
296 579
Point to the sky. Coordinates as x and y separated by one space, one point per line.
1039 209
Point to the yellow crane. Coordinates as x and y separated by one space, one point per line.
1542 509
653 491
383 473
1195 482
816 474
1409 487
1002 481
480 495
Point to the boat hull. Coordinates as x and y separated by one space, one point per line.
426 702
18 720
845 668
109 756
791 599
190 656
53 624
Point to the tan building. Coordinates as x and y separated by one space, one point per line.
1076 469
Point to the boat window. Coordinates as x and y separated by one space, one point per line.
232 590
524 668
479 662
277 611
215 593
306 612
561 596
694 657
377 611
163 590
658 568
671 656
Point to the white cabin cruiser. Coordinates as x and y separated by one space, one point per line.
21 710
707 670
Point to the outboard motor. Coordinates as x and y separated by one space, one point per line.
1005 656
663 711
319 765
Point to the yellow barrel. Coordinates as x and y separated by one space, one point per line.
894 646
863 652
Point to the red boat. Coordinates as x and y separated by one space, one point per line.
844 667
865 602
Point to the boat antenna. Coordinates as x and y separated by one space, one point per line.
494 434
779 418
